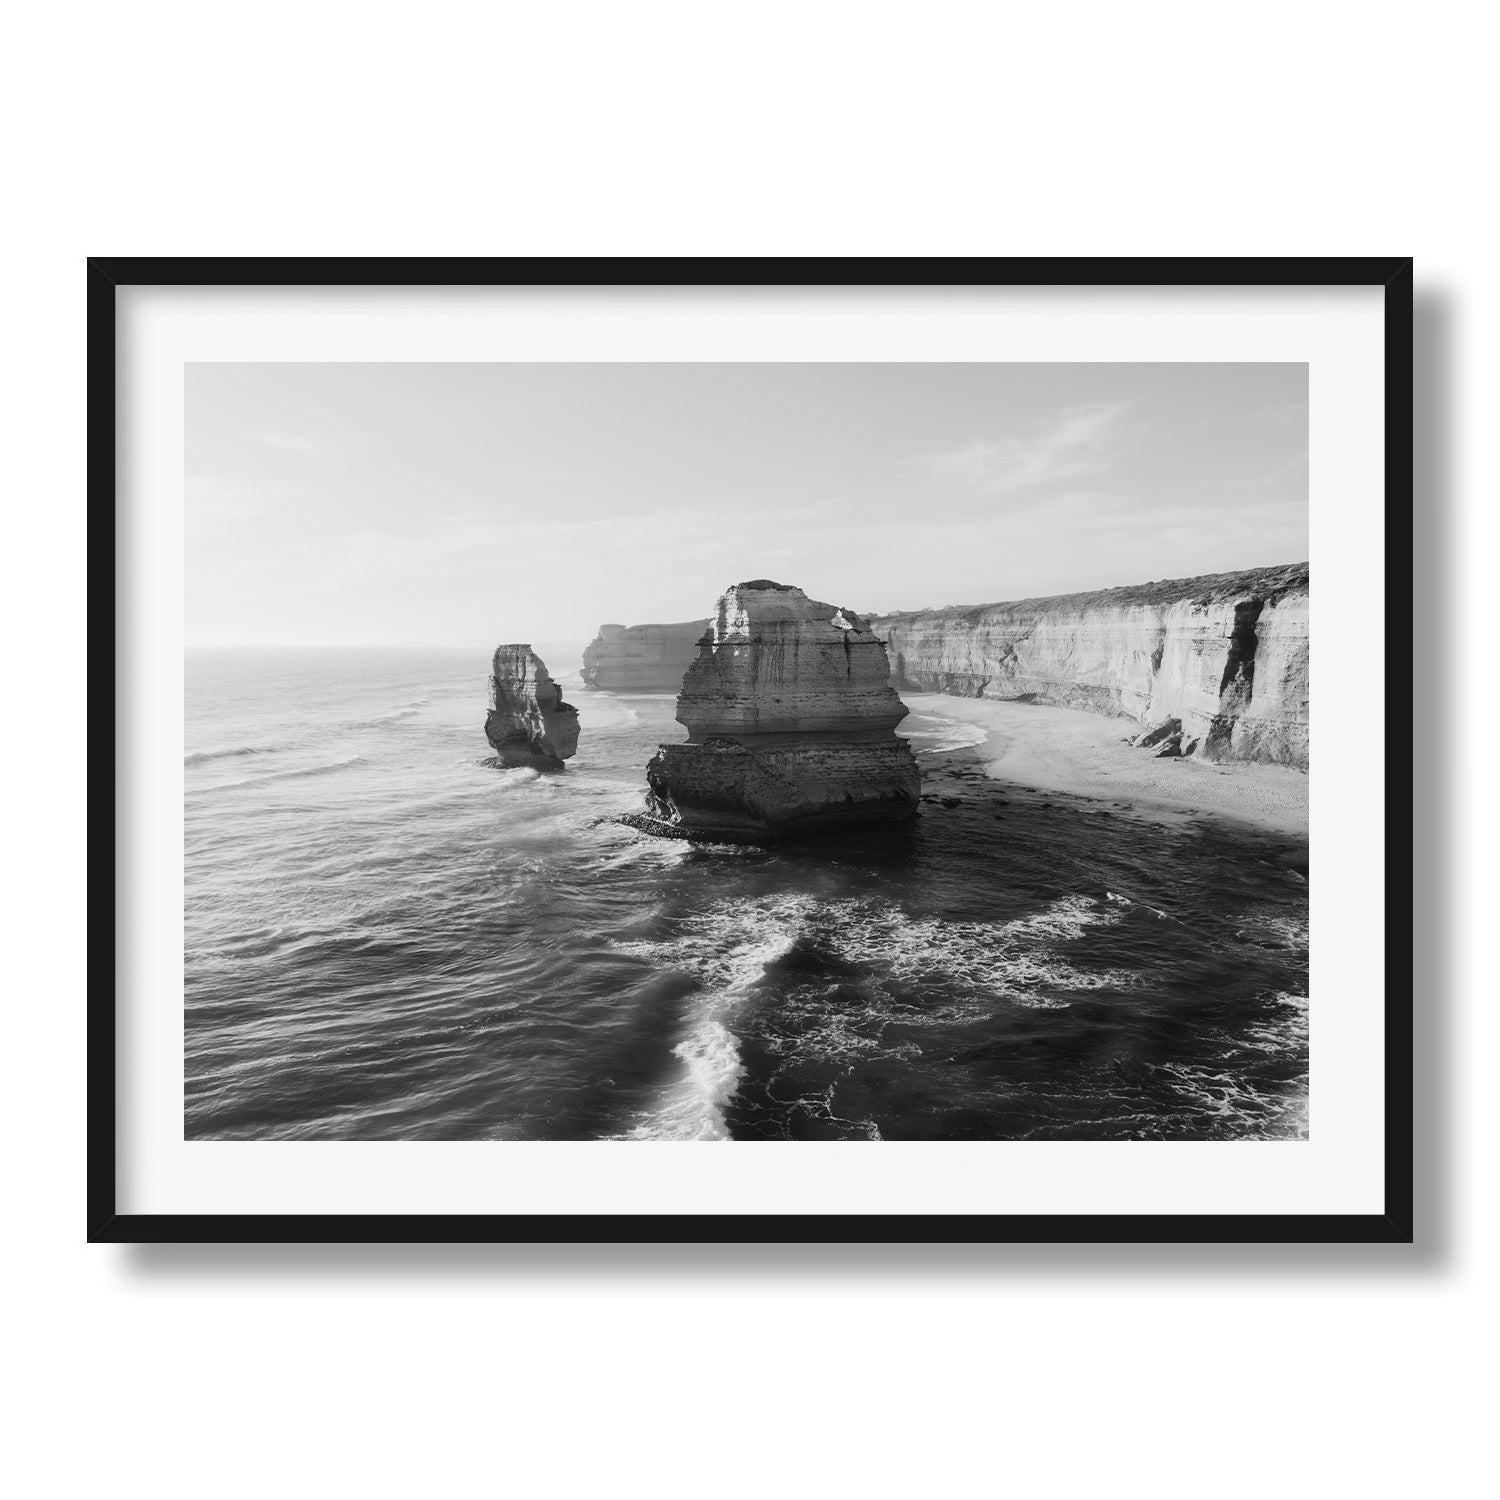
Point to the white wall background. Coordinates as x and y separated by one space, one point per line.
778 128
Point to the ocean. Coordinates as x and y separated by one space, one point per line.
389 937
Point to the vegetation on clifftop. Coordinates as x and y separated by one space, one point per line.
1269 585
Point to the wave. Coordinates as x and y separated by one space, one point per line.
732 947
230 752
730 951
1274 928
644 850
1245 1110
1015 962
404 712
945 734
507 775
600 708
1284 1031
1257 1088
319 770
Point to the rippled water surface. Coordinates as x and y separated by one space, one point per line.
387 937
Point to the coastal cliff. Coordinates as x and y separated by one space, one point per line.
790 716
641 658
1215 667
528 723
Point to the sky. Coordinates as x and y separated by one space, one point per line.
470 504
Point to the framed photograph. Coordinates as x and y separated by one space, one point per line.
707 750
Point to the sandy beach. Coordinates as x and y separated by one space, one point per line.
1089 755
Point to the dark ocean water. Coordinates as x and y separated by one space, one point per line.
388 937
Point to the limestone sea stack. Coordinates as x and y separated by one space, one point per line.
641 658
528 722
791 721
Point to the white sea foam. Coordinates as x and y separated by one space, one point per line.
976 964
1015 962
1254 1113
496 774
644 850
1285 1031
1274 927
729 950
693 1108
934 733
1257 1108
601 709
1120 900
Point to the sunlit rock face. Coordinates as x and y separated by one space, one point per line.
528 723
1222 659
790 716
641 658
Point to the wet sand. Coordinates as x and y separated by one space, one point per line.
1086 755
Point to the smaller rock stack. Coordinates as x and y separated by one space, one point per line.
791 721
528 723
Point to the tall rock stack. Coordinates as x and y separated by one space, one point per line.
528 723
791 721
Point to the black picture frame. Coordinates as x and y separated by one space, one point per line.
106 276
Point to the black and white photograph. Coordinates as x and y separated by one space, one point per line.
749 752
736 752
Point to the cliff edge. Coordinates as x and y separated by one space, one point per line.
641 658
1215 666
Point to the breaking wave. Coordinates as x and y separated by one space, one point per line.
1017 961
730 951
602 709
319 770
406 711
949 970
232 752
933 733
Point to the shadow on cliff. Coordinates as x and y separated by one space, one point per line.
1434 622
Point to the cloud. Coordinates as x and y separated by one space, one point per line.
296 444
214 499
1071 445
1294 465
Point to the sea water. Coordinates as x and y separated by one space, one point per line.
388 936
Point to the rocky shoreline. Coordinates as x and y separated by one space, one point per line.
1044 752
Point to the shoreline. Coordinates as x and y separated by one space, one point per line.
1070 752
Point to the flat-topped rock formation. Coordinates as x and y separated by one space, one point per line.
641 658
1220 663
528 723
790 716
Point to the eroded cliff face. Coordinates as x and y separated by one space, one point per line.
1224 656
528 723
641 658
790 716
